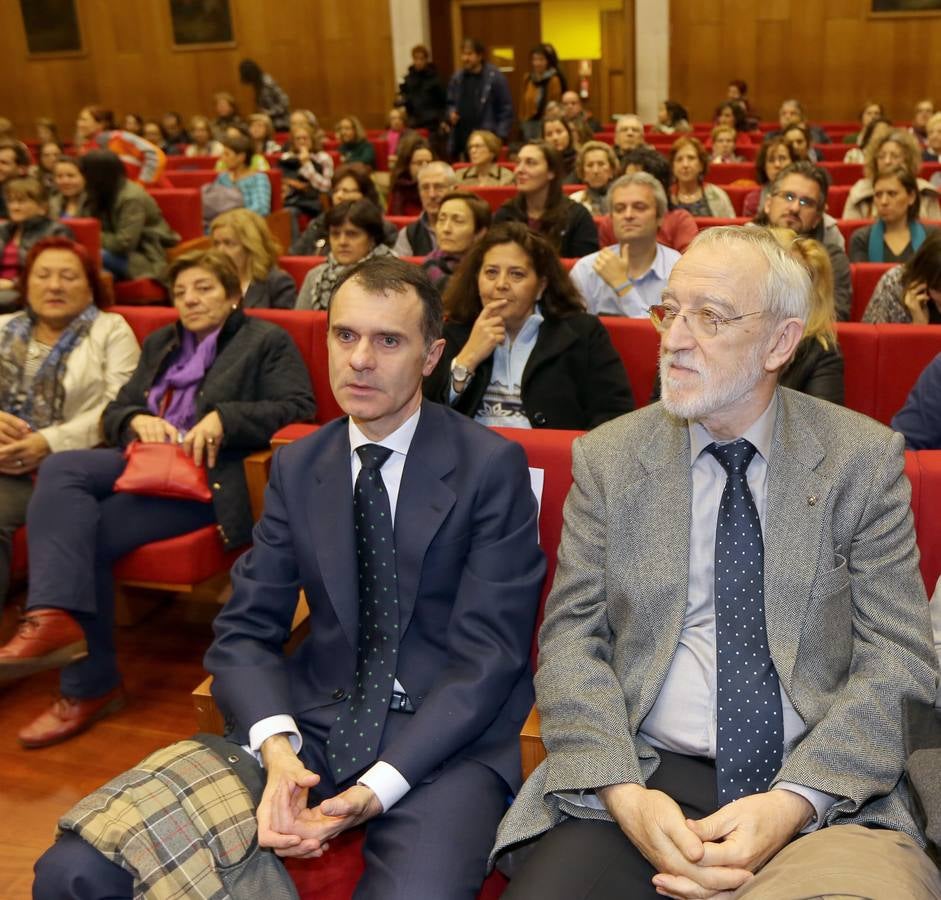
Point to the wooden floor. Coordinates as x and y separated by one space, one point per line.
161 658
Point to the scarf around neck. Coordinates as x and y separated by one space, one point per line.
876 247
173 395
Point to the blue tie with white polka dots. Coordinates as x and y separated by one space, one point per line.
748 715
354 739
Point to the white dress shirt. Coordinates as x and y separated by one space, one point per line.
385 781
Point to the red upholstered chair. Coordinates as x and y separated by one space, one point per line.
859 345
327 406
87 232
928 169
903 352
926 488
298 266
704 222
382 154
495 195
401 221
848 227
737 195
831 152
182 163
183 178
638 345
725 173
836 199
182 207
865 277
842 173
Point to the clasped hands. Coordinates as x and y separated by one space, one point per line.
204 438
286 824
21 448
710 857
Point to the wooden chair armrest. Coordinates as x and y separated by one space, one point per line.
279 224
208 716
257 467
200 243
532 750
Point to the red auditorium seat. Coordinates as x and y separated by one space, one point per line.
180 163
87 232
925 492
836 199
725 173
859 345
831 152
298 266
848 226
638 345
865 277
903 352
737 195
495 195
401 221
182 207
181 178
703 222
842 173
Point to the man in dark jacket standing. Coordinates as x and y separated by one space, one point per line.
421 92
478 97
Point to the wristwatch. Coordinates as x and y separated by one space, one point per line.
460 375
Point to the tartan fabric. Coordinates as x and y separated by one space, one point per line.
172 821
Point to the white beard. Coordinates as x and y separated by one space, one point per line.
713 393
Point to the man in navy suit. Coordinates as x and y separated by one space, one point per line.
467 574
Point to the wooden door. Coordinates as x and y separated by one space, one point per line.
502 26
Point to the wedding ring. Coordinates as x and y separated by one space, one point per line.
210 440
20 462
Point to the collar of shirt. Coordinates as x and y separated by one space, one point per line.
760 434
398 442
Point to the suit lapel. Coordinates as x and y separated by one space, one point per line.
794 533
555 337
424 502
330 525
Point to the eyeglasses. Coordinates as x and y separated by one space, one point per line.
701 322
802 202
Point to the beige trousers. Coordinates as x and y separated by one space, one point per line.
847 862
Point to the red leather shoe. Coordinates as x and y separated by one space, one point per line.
45 639
68 717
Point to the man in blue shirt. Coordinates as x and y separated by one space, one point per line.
626 279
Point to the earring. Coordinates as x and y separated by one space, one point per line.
235 306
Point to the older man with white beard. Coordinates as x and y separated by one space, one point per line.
736 622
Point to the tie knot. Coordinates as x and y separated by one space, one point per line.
372 456
734 457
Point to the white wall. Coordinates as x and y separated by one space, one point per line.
409 20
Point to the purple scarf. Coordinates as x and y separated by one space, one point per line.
183 378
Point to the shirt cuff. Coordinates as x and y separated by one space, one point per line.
820 801
265 728
585 798
386 782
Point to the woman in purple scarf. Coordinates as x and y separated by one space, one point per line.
217 382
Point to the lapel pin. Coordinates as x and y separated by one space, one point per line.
811 500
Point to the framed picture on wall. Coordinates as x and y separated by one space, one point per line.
201 23
905 7
51 27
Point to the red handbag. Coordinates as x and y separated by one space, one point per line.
163 470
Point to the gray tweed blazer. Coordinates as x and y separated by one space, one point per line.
846 610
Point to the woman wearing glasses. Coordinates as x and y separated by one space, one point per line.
898 149
690 162
483 148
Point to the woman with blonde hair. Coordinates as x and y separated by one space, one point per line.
243 236
483 149
203 143
353 144
817 365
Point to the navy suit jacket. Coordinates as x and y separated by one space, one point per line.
469 574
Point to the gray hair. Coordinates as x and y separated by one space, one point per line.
627 116
785 290
437 167
646 179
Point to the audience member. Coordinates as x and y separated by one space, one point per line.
626 279
355 230
919 420
257 162
696 531
595 167
483 148
672 118
932 149
14 163
463 219
134 123
540 85
576 114
870 112
303 117
27 205
558 135
628 135
422 93
924 110
245 238
541 204
791 112
910 293
255 187
307 173
478 98
61 360
353 144
690 163
722 140
174 134
45 168
395 131
47 131
143 161
227 114
418 238
153 133
797 200
350 182
520 350
69 198
798 138
174 394
732 115
134 234
737 92
261 131
203 143
404 200
896 234
898 148
270 99
872 133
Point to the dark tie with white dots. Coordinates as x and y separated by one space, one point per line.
354 739
748 715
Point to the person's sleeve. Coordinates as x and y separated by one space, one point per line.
584 237
282 290
386 782
121 355
403 246
684 231
128 228
842 285
820 801
152 158
451 95
605 391
719 203
283 395
257 192
580 698
859 246
825 380
885 299
504 102
919 420
856 751
489 631
581 276
305 296
269 727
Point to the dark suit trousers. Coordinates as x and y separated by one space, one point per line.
78 527
585 859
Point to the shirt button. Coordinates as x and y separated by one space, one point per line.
539 418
